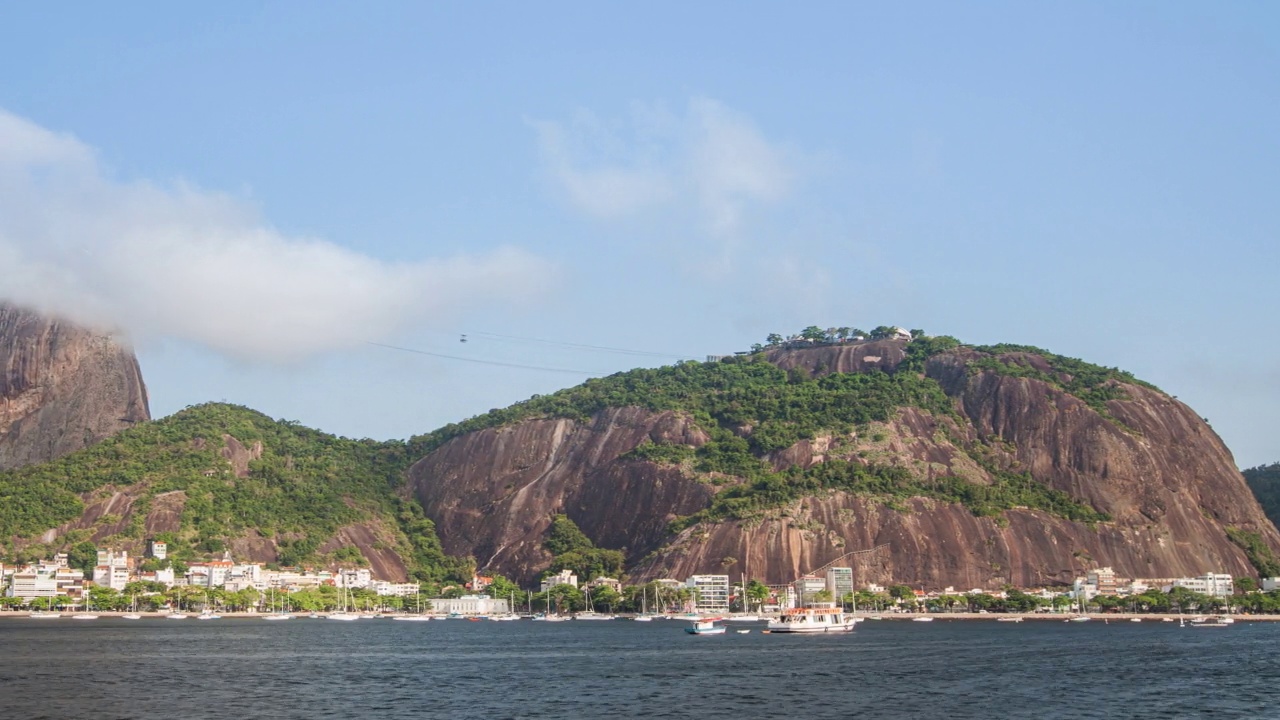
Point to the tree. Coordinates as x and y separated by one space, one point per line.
774 339
814 333
1245 585
83 556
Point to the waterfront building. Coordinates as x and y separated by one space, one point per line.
32 583
564 577
1212 584
112 569
382 587
612 583
353 578
712 593
1103 581
806 587
839 582
470 605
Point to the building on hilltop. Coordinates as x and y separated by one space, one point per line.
564 577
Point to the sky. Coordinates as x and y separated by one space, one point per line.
304 207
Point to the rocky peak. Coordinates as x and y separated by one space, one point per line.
62 387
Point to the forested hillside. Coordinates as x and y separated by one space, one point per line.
1264 481
212 475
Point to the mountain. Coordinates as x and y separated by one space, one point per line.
221 477
1264 481
926 462
62 387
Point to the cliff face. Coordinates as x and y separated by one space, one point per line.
1167 481
62 387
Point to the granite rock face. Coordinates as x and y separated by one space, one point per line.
1150 462
63 387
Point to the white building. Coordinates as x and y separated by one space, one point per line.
1272 583
353 578
806 587
28 584
712 593
382 587
470 605
1211 584
157 549
564 577
112 569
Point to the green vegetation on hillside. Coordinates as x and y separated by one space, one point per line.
1264 481
1256 550
305 485
1094 384
750 408
574 551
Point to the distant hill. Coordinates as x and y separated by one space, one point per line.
958 465
216 477
1264 481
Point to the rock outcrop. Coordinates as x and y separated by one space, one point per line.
1163 476
62 387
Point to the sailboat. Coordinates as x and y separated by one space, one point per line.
419 617
206 613
342 614
86 615
133 611
645 615
274 615
590 613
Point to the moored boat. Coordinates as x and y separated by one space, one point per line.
815 618
706 626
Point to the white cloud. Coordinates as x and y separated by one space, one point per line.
175 261
711 160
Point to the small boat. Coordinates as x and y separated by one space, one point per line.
1135 619
343 616
1213 622
1009 619
922 619
84 616
820 617
412 618
131 616
208 616
176 616
742 632
1081 618
1166 619
504 617
592 615
543 617
43 615
643 618
277 616
876 617
743 618
705 627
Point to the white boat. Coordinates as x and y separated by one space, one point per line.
742 632
815 618
551 618
412 618
277 616
743 618
1135 619
1081 618
644 617
922 619
1166 619
592 615
131 616
1009 619
705 627
206 615
504 617
84 616
343 616
1213 622
43 615
176 616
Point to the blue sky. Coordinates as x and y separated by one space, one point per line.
257 191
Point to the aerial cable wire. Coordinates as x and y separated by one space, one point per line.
580 346
483 362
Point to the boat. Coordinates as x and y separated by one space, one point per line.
1213 622
592 615
743 618
1166 619
176 615
277 616
412 618
814 618
208 615
131 616
1135 619
743 632
705 626
84 616
343 616
1080 618
1009 619
543 617
922 619
44 615
504 617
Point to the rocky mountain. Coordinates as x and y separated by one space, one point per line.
928 463
63 387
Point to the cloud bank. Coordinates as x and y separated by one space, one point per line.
180 262
711 161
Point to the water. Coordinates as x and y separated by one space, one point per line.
116 669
